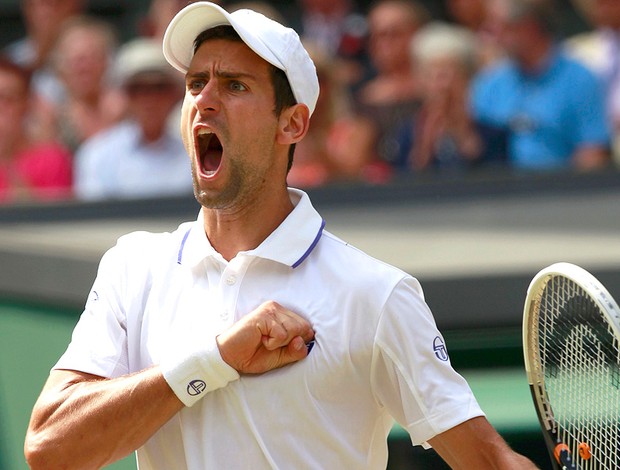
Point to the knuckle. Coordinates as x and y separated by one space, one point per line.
271 306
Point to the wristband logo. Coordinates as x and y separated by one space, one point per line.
196 387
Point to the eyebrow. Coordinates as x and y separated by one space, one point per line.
220 74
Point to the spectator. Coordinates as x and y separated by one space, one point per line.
339 30
391 97
29 169
441 134
600 51
82 59
43 20
336 145
159 14
478 16
141 156
550 106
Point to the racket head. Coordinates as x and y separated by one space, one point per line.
571 337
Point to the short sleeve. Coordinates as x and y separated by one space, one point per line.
411 372
99 341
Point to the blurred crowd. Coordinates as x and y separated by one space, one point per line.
492 84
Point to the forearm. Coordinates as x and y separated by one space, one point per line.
84 421
590 158
475 444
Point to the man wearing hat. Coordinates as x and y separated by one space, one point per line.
142 156
252 337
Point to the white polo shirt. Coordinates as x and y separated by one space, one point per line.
378 355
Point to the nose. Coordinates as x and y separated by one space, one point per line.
208 100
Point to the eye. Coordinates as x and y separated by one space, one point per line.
237 86
196 86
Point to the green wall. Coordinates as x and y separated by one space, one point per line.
31 340
33 337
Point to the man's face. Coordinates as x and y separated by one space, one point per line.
229 126
82 60
44 17
152 96
391 29
606 13
470 13
520 36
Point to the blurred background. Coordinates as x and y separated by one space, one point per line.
471 143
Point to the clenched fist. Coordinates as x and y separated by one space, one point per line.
267 338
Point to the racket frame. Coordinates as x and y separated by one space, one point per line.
559 453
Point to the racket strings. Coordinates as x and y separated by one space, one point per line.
580 359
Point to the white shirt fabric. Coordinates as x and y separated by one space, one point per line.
377 355
118 164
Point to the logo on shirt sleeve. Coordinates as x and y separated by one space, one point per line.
440 349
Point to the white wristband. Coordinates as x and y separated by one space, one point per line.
192 375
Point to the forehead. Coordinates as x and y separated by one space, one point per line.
391 15
226 53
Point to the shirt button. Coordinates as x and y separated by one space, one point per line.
231 280
224 315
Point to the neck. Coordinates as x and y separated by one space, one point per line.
535 58
152 134
237 229
90 99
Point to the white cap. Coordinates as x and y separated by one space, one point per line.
141 56
277 44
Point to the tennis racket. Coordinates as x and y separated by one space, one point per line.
571 345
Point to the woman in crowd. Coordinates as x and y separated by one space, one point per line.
82 59
30 169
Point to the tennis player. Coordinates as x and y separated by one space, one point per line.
252 337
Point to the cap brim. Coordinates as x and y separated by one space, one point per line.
178 43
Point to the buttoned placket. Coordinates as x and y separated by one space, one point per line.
229 287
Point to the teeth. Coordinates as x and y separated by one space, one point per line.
204 131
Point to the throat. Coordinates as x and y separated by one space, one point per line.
211 160
210 150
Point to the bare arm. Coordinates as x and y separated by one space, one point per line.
77 420
591 158
476 444
85 421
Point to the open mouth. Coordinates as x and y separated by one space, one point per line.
209 151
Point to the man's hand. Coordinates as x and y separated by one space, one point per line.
267 338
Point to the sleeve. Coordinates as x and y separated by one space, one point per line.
411 372
99 341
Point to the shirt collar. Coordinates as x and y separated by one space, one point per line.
289 244
545 69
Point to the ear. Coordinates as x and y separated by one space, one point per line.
293 124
